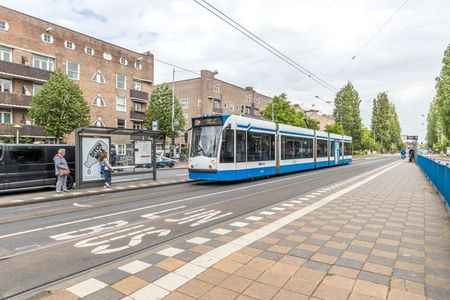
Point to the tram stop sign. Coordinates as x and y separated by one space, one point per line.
412 137
155 125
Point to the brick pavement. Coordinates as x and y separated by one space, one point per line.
386 239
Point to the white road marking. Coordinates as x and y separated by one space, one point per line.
267 213
310 196
135 267
155 215
220 231
278 208
39 198
171 251
81 205
296 201
28 247
87 231
161 204
287 204
200 216
87 287
239 224
174 280
198 240
303 198
254 218
16 201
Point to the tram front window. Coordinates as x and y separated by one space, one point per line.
205 141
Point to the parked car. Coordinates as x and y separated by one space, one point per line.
31 166
162 162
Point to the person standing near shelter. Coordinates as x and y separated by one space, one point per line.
105 168
61 170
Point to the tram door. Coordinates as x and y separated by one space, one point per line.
337 150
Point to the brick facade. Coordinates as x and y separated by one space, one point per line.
24 37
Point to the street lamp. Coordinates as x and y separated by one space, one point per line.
17 126
329 102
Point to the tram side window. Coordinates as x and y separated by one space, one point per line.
347 149
322 148
241 147
261 146
306 148
227 149
294 147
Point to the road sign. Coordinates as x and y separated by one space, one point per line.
412 137
155 125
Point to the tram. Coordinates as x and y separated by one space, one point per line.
233 148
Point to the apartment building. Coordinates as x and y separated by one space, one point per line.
207 95
116 82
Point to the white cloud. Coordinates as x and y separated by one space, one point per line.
322 35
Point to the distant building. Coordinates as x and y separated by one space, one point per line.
115 81
207 95
323 119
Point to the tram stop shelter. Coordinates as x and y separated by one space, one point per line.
131 152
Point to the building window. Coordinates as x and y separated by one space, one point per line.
121 103
36 88
120 124
217 88
216 103
98 101
47 38
184 103
5 53
5 85
89 50
5 116
231 107
225 105
73 70
121 149
99 122
247 110
69 45
123 61
137 126
4 25
121 81
258 101
249 98
26 91
98 77
137 65
43 62
107 56
137 106
137 85
199 102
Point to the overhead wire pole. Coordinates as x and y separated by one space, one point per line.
264 44
172 146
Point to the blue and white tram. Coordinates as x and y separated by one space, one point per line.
231 148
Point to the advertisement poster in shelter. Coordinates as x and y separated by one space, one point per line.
91 147
142 152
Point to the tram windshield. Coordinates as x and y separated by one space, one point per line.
205 141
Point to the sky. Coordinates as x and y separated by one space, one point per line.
404 58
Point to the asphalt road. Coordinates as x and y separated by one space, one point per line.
44 243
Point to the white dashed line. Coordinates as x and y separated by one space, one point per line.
267 213
238 224
220 231
254 218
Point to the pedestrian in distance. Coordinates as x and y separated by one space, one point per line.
105 168
403 153
61 171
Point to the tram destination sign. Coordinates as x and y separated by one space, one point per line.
208 121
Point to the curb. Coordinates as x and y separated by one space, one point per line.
57 197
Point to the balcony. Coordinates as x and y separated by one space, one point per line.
137 115
26 130
15 100
139 96
22 71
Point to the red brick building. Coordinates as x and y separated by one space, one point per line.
116 82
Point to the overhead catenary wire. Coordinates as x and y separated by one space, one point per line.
178 67
264 44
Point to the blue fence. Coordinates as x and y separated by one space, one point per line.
439 174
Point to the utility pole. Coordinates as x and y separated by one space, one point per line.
172 146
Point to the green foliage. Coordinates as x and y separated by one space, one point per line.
385 123
438 127
59 107
312 123
160 109
283 111
334 128
347 112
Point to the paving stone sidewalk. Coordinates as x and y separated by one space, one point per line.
386 239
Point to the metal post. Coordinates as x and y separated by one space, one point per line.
154 157
173 115
78 162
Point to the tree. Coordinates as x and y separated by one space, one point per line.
334 128
347 113
312 123
59 107
433 125
443 94
160 110
283 112
385 124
